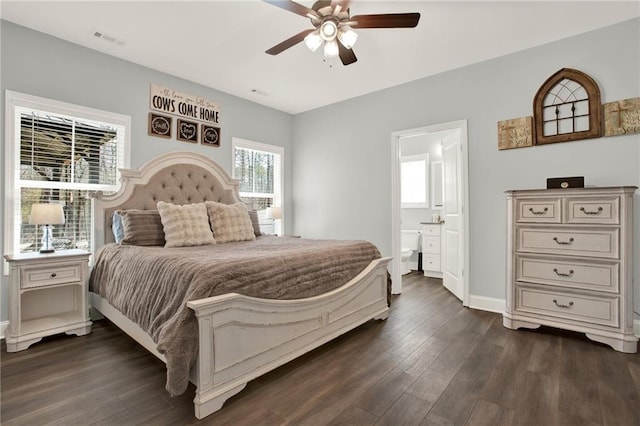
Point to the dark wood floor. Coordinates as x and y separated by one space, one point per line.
432 362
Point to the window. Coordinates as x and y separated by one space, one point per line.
567 108
258 167
414 172
59 153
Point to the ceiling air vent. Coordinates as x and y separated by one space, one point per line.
107 37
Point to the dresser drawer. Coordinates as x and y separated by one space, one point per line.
431 245
592 309
538 210
51 275
431 263
601 276
593 210
595 242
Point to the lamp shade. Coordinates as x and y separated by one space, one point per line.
46 214
273 213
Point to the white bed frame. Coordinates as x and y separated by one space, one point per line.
240 337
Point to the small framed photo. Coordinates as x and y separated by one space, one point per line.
187 131
210 135
159 125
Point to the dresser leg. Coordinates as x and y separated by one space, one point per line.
516 324
80 331
17 346
620 345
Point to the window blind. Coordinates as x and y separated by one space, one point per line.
61 159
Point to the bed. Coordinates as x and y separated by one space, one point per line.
213 312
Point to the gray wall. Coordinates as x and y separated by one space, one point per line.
40 65
342 185
342 160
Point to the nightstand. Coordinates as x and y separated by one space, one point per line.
47 295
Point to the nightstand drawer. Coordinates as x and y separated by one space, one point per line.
593 210
538 210
51 275
592 309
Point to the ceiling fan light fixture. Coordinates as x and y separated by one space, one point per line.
328 30
347 36
331 49
313 40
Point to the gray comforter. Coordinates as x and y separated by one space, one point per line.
151 285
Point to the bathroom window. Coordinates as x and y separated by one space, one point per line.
414 181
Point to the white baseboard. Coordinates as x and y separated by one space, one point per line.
487 303
3 327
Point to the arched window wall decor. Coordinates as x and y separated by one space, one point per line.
567 108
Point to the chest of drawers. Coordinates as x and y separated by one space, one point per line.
569 262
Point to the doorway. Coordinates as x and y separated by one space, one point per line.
454 211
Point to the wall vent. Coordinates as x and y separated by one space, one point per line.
107 37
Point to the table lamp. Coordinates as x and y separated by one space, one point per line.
47 215
274 213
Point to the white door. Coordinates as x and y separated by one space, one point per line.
453 228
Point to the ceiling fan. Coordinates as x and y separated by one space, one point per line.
334 27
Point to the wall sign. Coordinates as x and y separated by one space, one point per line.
187 131
159 125
191 107
622 117
210 135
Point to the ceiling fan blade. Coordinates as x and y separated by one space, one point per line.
389 20
294 7
344 4
346 55
291 41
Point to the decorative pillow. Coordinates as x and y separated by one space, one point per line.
186 225
230 222
253 215
141 227
117 227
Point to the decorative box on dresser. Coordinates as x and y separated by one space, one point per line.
570 264
431 249
47 295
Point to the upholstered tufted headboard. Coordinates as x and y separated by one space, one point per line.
178 178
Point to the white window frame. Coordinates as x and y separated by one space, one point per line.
278 190
14 102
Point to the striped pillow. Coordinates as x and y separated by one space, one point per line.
141 227
186 225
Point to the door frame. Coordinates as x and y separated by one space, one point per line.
396 266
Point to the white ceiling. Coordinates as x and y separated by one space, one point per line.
221 44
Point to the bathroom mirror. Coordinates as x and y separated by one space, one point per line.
414 181
437 183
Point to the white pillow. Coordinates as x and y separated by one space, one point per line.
186 225
230 222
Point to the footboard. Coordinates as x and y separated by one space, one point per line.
243 337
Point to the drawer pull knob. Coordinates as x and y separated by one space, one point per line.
563 274
560 305
538 212
563 243
592 212
53 275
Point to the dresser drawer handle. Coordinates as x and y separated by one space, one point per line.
560 305
563 243
563 274
538 212
592 212
53 275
